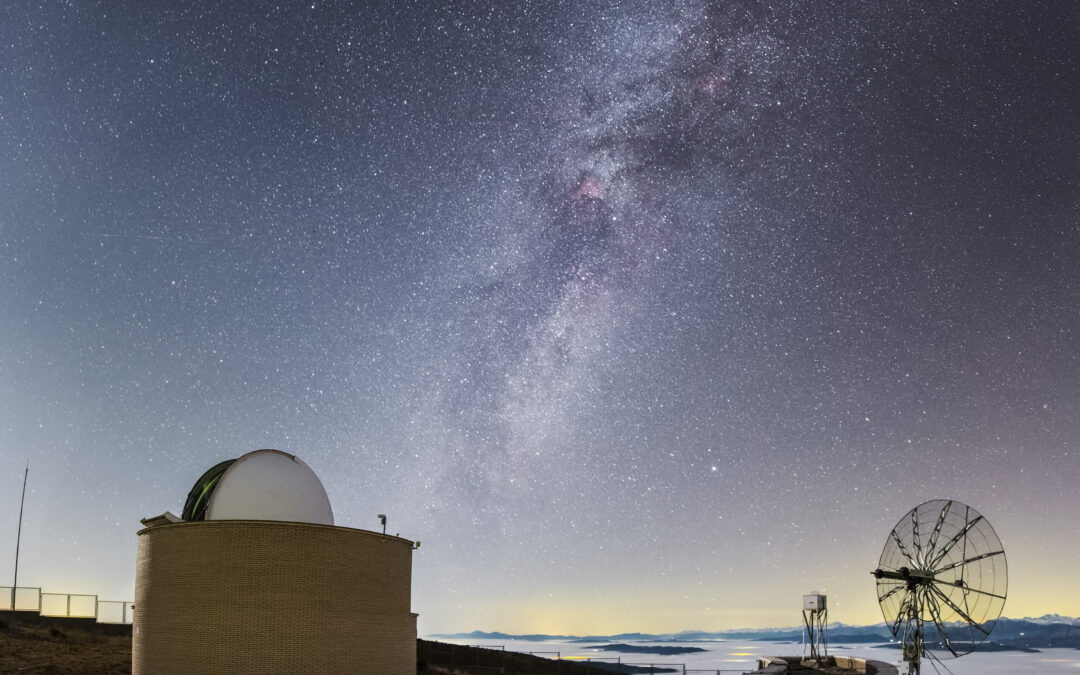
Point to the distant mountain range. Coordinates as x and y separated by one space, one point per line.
1027 634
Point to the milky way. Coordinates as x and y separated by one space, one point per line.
592 222
638 317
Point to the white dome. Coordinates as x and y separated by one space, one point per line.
270 485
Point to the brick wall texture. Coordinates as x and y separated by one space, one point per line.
238 597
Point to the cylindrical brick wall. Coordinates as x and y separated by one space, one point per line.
242 596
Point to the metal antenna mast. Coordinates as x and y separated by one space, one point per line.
18 538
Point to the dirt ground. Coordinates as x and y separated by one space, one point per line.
56 650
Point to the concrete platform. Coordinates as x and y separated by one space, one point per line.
833 665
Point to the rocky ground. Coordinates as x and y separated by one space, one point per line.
81 647
56 649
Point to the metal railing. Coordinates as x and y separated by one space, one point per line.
69 605
115 611
494 658
25 598
601 659
66 605
659 667
471 656
683 670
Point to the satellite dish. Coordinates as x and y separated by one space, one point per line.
261 485
941 581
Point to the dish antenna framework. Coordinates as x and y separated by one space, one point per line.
941 581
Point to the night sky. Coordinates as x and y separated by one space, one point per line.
638 315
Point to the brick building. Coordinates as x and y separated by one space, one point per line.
248 595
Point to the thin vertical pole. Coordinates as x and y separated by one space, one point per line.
18 538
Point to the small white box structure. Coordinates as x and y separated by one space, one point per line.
815 619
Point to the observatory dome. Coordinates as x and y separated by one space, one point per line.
261 485
257 579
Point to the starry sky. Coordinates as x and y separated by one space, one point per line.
638 315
